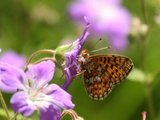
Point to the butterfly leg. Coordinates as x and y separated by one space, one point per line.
79 73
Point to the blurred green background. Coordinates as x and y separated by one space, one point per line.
27 26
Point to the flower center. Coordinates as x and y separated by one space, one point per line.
37 94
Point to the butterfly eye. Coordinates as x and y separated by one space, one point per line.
85 54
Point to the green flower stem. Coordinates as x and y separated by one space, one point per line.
4 105
45 59
149 100
15 116
143 41
48 51
143 38
143 6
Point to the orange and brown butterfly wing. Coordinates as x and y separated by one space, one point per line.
102 72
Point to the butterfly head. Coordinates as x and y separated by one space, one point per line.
83 57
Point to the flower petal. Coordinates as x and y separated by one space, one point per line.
41 73
20 103
60 97
70 72
51 113
11 78
71 67
12 58
77 45
119 42
106 17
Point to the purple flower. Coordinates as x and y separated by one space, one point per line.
13 58
32 91
71 66
107 17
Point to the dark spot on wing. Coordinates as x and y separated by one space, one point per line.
106 66
114 59
100 59
104 60
111 66
108 60
116 64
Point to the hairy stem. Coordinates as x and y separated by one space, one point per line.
15 116
4 105
38 52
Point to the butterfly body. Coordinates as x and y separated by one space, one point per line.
102 72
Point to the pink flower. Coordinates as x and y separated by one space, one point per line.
108 18
31 90
13 58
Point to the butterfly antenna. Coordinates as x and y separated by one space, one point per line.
100 39
108 47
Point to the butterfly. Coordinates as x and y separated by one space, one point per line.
102 72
